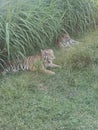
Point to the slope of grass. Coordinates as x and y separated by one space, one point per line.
65 101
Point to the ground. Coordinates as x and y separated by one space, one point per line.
67 100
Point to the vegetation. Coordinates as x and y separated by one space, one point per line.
26 26
65 101
36 101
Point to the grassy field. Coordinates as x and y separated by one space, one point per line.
65 101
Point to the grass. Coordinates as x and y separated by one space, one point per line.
65 101
30 25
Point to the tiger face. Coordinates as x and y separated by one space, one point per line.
47 55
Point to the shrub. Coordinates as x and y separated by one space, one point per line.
79 58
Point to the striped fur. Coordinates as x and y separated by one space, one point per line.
65 41
31 63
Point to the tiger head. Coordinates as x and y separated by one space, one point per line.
47 55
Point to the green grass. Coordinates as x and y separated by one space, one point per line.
65 101
30 25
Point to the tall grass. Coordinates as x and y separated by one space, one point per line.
79 15
26 26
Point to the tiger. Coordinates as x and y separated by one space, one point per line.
44 60
65 41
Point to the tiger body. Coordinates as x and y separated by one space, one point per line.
65 41
33 63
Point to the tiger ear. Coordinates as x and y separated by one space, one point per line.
44 51
41 51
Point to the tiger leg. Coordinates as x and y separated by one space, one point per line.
44 70
53 65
